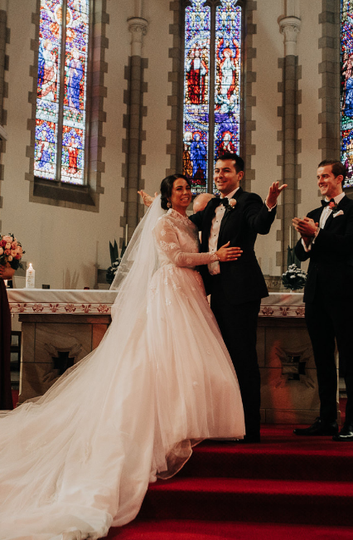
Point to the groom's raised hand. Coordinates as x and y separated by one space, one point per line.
273 194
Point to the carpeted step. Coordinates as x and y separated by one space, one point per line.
229 499
321 460
210 530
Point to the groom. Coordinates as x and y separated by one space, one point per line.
237 287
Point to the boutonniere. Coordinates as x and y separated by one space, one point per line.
339 213
333 206
232 203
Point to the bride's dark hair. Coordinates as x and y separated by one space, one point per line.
167 186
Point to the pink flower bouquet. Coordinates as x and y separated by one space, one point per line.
10 251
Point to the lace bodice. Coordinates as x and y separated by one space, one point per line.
177 241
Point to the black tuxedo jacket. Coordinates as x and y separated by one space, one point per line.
241 279
331 256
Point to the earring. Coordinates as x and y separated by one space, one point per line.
169 204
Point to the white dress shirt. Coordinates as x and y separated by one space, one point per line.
213 267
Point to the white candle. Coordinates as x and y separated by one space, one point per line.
290 237
126 233
30 277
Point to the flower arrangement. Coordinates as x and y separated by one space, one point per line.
114 260
10 251
294 278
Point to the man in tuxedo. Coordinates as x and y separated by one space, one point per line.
327 240
237 287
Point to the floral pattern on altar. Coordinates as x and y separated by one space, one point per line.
82 302
59 308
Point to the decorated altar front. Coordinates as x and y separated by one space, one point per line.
60 327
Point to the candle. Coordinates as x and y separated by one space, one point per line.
290 236
126 233
30 277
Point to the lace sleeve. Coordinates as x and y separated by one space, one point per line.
168 241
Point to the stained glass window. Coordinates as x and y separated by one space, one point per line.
61 90
212 86
347 89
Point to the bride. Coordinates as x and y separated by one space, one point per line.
79 459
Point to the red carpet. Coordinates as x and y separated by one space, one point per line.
287 487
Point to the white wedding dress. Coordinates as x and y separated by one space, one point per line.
80 458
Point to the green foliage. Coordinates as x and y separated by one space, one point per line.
292 258
114 260
114 252
294 278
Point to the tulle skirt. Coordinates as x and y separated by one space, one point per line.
80 458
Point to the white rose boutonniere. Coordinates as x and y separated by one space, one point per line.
232 203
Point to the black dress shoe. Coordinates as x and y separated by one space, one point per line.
319 427
346 433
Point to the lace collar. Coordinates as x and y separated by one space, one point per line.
178 216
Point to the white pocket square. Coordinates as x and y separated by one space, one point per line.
339 213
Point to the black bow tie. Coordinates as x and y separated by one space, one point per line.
224 201
326 203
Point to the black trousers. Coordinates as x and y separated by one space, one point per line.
329 321
238 325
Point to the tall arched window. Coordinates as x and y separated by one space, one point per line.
212 86
61 91
347 89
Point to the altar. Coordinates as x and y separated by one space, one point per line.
60 327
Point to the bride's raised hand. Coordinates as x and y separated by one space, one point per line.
226 254
147 199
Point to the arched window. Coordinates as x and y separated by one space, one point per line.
347 89
212 86
60 132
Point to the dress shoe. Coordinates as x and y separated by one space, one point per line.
319 427
346 433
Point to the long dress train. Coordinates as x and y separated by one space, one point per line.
80 458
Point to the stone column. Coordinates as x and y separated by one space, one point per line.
133 124
289 27
4 38
329 93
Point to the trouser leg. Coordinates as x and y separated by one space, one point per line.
238 325
322 334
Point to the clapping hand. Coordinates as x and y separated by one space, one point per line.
306 227
226 254
273 194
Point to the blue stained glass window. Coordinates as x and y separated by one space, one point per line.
347 89
61 90
212 86
196 93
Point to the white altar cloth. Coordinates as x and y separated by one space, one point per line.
91 301
61 301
